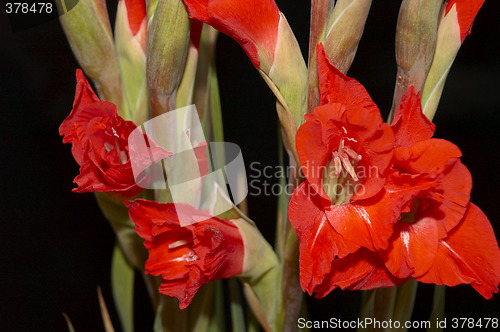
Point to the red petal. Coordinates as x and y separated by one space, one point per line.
136 13
375 145
316 139
449 182
426 156
456 185
368 223
410 125
413 248
84 96
254 26
361 270
319 242
335 87
468 255
466 11
195 35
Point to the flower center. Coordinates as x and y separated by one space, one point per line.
416 205
339 176
114 137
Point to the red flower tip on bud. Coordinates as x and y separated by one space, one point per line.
136 14
466 13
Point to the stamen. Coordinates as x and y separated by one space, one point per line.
352 154
337 164
177 244
190 257
348 166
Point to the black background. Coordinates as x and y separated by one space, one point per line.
55 247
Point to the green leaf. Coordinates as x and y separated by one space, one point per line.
218 321
237 313
131 244
122 283
283 200
215 105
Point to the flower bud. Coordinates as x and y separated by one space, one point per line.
131 44
415 44
344 31
89 34
454 26
168 41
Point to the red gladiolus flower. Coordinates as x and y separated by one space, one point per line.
99 144
190 256
253 25
345 151
440 237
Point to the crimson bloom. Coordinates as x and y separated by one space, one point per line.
187 256
99 144
440 237
345 151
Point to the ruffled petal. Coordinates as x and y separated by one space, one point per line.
410 125
319 242
413 248
335 87
361 270
368 223
469 255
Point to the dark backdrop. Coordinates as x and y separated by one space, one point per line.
55 247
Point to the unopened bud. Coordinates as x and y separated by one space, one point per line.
415 44
168 42
344 31
89 34
454 26
131 43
